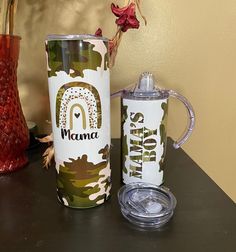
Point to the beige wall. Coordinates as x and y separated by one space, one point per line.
189 45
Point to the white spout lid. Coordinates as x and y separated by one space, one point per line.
146 85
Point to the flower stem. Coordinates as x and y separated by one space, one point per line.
8 9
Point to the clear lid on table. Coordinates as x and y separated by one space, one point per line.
146 205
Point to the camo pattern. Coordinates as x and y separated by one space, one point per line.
72 56
163 139
75 181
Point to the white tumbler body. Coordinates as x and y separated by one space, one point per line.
143 140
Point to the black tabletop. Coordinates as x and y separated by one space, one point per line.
31 218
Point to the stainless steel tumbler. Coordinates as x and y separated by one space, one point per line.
79 90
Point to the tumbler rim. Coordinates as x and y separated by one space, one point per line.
10 36
52 37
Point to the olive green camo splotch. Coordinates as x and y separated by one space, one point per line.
75 178
163 135
76 55
106 59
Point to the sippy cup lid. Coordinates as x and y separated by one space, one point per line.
146 205
146 82
146 86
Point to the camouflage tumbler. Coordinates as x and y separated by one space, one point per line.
78 78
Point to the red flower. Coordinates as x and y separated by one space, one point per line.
98 32
126 17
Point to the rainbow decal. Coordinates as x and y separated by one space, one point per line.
84 97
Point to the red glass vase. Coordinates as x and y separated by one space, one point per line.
14 134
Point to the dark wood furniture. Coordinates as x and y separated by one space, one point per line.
31 219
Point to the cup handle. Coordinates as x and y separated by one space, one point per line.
186 134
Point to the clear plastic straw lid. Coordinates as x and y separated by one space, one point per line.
146 86
146 205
